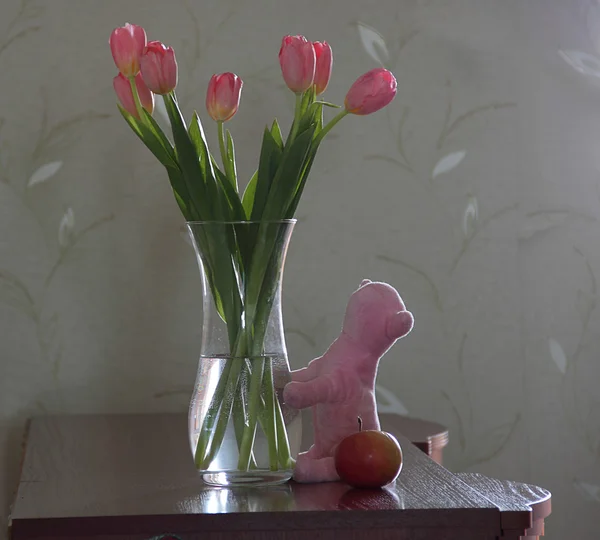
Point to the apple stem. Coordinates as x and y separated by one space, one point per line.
359 424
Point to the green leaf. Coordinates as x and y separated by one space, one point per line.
327 104
230 196
151 140
295 199
308 111
288 177
249 193
192 173
182 196
231 160
268 165
276 132
160 135
307 99
317 119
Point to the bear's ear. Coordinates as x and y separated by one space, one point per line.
365 282
399 324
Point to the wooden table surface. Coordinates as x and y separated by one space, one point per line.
132 477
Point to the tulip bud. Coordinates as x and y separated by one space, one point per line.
223 96
323 66
127 44
122 88
371 92
159 68
297 59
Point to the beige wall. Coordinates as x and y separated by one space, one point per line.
477 194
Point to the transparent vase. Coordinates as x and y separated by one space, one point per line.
240 430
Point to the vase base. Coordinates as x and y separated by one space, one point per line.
253 478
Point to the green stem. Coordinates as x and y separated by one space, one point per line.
296 123
211 417
283 444
221 136
224 415
253 403
136 99
271 422
329 127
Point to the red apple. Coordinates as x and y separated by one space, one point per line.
368 459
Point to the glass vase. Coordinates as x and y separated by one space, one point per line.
240 430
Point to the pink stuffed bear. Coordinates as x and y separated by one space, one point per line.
340 385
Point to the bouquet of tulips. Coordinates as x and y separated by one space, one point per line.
206 189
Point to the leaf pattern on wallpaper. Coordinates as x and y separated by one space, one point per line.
470 217
461 431
412 268
45 172
590 492
373 43
20 26
482 226
590 298
448 162
582 62
581 409
66 228
51 342
585 304
450 126
477 448
388 402
538 222
59 137
312 328
71 239
558 355
209 34
493 441
464 422
15 293
389 159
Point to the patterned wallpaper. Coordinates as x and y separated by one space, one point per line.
476 194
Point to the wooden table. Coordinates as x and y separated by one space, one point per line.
118 477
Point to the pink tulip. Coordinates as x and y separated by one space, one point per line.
122 88
323 65
223 96
371 92
297 59
159 68
127 44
